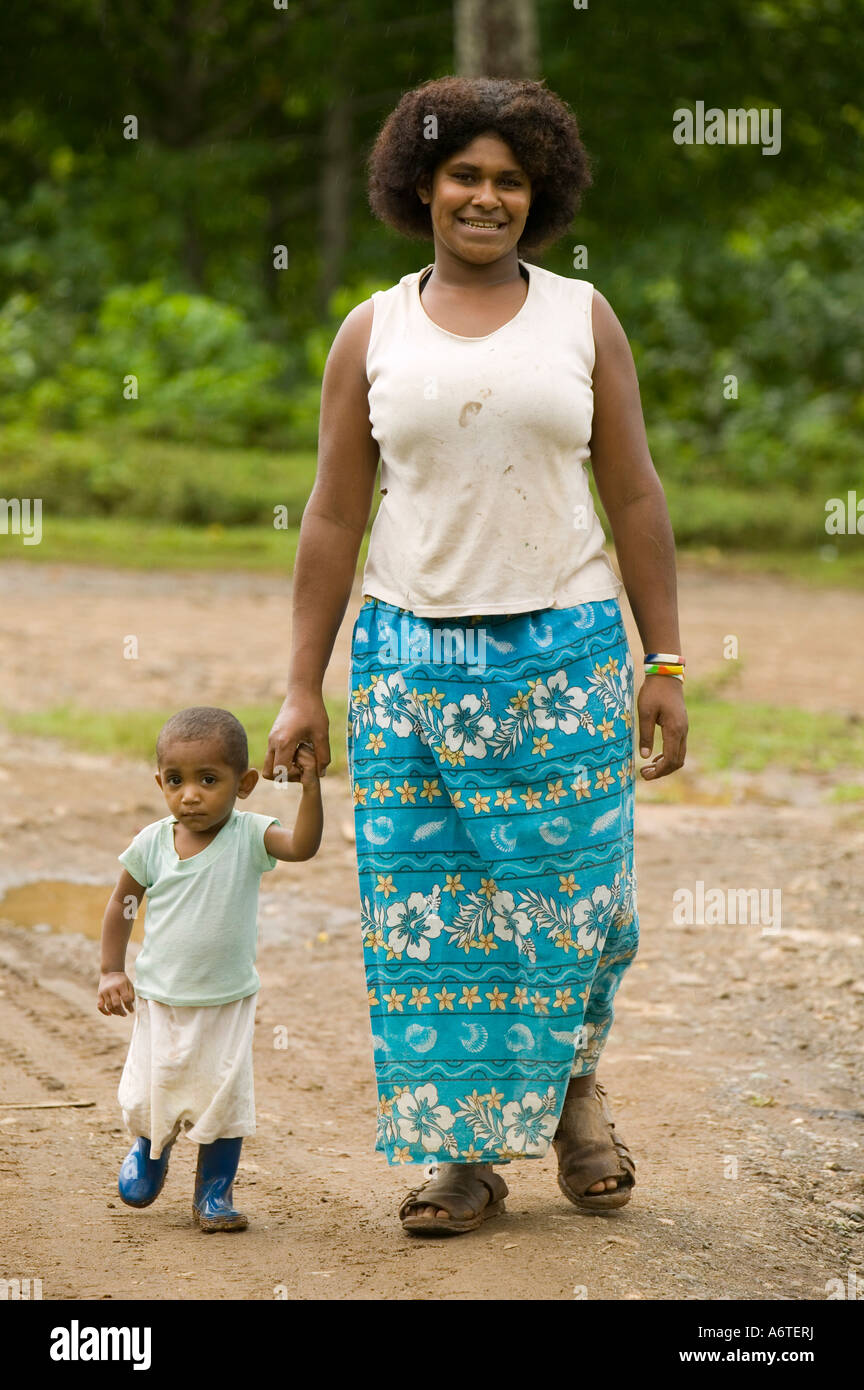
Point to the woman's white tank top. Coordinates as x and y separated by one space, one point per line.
485 503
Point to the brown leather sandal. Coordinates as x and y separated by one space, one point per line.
457 1190
589 1150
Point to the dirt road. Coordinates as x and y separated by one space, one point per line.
734 1067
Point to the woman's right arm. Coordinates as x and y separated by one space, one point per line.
331 532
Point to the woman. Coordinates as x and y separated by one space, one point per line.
490 724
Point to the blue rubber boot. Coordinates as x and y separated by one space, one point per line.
212 1204
142 1177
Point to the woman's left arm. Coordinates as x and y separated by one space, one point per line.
634 501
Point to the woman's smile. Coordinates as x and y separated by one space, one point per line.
481 224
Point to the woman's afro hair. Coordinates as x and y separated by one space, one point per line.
538 126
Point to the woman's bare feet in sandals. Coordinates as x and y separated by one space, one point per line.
584 1086
456 1170
596 1171
472 1192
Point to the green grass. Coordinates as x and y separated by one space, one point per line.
815 567
758 518
729 735
132 733
846 792
106 473
725 736
119 501
128 544
749 737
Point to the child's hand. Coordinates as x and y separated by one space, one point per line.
306 761
115 990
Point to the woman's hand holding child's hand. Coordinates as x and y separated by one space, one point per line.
115 991
302 842
303 716
305 759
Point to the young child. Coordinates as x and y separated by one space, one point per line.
190 1059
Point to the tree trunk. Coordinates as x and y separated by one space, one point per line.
192 248
496 38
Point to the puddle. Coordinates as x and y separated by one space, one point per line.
62 906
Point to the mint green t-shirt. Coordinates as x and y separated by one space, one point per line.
201 926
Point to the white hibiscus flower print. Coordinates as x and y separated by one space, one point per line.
530 1122
393 708
592 916
413 923
422 1120
507 919
467 725
556 706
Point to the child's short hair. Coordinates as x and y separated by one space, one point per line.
205 721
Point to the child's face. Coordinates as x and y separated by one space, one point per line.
199 786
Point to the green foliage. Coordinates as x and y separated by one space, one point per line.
200 373
778 308
316 346
153 257
774 308
147 486
98 475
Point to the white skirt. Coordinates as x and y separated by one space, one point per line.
189 1068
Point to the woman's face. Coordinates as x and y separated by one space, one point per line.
480 184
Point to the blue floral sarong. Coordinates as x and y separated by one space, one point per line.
491 760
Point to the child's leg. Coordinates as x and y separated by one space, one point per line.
149 1109
212 1205
225 1113
189 1067
142 1177
221 1084
144 1169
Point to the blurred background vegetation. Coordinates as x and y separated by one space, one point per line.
155 256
